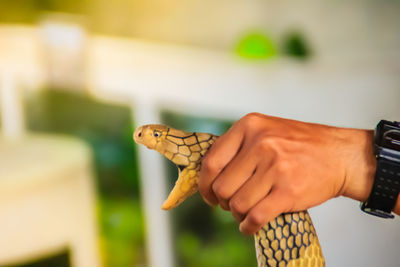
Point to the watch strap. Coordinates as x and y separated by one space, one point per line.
385 190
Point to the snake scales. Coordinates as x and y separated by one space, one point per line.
288 240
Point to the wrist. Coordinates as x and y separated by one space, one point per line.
361 167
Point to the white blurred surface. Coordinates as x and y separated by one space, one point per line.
11 110
159 246
47 200
64 40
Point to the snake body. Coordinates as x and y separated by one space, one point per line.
288 240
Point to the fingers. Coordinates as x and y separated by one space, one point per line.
234 175
253 191
266 210
215 160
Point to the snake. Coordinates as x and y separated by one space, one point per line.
288 240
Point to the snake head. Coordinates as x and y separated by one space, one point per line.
151 135
185 149
165 140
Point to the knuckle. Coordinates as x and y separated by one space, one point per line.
206 162
283 167
251 118
237 206
294 190
252 115
266 143
219 190
209 164
256 219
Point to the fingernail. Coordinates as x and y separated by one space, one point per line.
241 227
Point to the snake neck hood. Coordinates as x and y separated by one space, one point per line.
185 149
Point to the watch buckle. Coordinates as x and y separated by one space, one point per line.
376 212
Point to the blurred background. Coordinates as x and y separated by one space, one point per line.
77 77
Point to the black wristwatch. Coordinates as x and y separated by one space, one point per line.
386 186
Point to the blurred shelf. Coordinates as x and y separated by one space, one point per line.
196 80
34 159
47 200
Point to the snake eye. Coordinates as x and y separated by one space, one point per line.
156 134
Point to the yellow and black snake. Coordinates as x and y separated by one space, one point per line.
288 240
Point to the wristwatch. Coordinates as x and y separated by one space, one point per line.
386 186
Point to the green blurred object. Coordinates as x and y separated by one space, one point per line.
256 46
205 236
295 45
107 128
122 232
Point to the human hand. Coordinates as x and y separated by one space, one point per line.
264 166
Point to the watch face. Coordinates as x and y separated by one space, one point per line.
391 139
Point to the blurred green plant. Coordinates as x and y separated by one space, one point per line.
205 236
295 45
107 128
256 45
122 232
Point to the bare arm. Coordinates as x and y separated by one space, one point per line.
264 166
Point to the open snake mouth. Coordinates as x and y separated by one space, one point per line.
180 167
